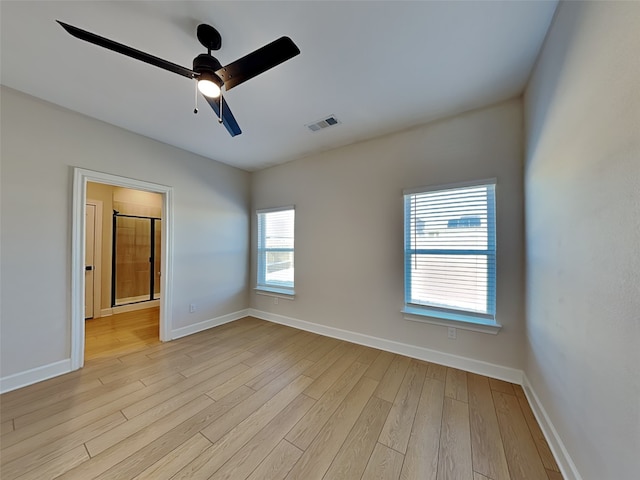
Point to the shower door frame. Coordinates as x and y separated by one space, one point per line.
152 257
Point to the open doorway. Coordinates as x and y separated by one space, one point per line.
123 249
133 284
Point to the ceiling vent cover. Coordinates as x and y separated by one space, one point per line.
327 122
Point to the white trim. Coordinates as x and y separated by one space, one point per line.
77 262
463 363
107 312
207 324
137 299
135 307
560 453
275 292
34 375
449 186
491 328
275 209
45 372
80 179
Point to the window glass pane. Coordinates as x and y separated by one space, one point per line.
450 281
279 268
450 249
276 248
279 229
453 219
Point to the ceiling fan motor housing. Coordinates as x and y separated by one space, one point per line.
204 63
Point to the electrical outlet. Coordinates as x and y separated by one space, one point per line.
451 333
275 300
192 307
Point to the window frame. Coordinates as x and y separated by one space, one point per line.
456 317
262 286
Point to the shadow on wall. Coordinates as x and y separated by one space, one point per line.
543 114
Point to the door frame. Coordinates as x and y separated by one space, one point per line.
80 178
97 258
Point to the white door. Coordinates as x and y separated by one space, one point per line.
89 259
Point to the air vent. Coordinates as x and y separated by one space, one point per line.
327 122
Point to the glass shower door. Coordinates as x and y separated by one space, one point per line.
136 259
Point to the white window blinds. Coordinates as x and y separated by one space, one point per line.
276 249
450 250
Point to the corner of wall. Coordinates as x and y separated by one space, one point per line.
565 463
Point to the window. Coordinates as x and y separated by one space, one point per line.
275 250
450 252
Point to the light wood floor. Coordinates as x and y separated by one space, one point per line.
256 400
121 333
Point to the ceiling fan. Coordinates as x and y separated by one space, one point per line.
207 70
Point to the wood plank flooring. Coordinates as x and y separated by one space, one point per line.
121 333
256 400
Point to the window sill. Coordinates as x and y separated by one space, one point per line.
445 319
276 292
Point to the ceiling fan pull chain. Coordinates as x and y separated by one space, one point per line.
195 108
221 102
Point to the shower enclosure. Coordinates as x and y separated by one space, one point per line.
135 260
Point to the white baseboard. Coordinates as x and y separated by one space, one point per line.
138 299
45 372
135 306
463 363
565 463
107 312
38 374
205 325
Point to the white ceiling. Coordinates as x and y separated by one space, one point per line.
378 66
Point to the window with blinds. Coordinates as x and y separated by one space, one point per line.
276 249
450 251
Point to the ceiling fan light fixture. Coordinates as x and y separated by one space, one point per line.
208 86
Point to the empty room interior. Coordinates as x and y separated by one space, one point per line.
409 248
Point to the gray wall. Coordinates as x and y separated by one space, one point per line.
583 234
40 144
349 228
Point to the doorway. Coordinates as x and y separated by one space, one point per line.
79 249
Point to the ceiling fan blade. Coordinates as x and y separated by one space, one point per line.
257 62
228 119
125 50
